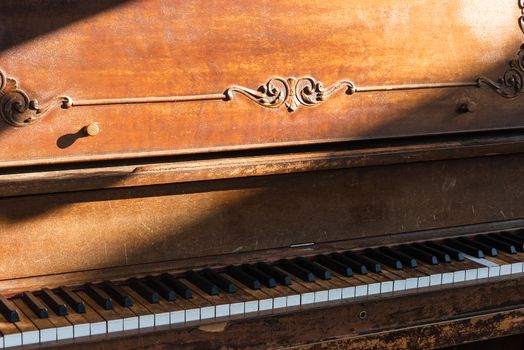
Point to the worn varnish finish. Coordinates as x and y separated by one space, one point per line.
434 318
62 232
143 48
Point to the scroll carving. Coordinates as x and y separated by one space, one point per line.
511 84
291 92
16 108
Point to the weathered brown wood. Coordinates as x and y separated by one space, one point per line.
434 318
74 231
69 47
24 181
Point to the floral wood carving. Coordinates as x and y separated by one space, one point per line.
16 108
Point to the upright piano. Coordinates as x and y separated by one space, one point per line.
342 174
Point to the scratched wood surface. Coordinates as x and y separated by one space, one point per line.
115 49
63 232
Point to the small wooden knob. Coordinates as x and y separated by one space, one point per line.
92 129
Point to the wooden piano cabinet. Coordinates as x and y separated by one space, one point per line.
160 77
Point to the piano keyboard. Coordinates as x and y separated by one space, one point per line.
63 313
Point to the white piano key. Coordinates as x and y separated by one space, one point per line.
65 333
205 313
11 340
192 315
481 261
1 342
516 267
265 304
222 310
161 319
335 294
130 323
399 285
361 291
348 292
279 302
423 281
81 330
293 300
96 328
435 279
321 296
386 287
251 306
32 337
307 298
373 288
49 334
146 321
494 271
177 317
115 325
505 270
236 309
471 274
411 283
482 272
447 278
459 276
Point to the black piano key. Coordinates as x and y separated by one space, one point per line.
387 260
297 270
35 305
370 264
244 277
161 288
278 275
315 268
202 283
99 296
8 310
54 301
263 277
512 236
422 255
223 283
118 294
335 265
404 258
465 248
497 243
509 239
441 255
177 285
452 252
144 290
486 249
72 300
354 265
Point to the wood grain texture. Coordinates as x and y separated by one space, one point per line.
107 49
73 231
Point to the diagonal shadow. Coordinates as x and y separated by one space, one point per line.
20 22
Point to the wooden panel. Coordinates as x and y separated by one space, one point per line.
96 229
108 49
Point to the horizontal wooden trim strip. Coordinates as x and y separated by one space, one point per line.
27 182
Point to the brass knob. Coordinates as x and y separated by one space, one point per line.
92 129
